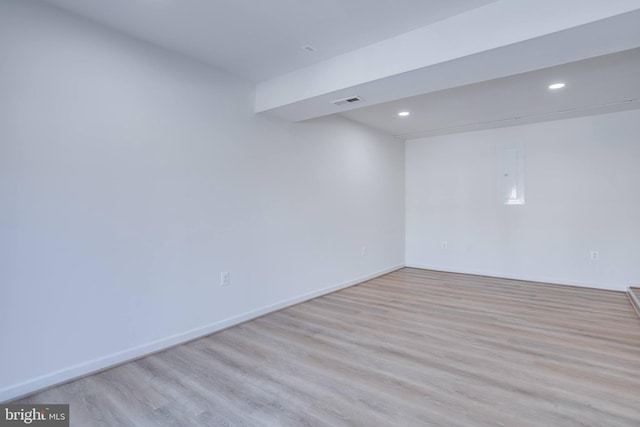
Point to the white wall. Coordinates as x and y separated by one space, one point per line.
131 177
582 186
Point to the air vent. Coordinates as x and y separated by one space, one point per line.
348 100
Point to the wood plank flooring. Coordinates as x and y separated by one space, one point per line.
411 348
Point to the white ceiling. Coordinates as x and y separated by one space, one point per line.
503 38
598 85
457 65
260 39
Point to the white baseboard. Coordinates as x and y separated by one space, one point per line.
635 302
525 277
17 391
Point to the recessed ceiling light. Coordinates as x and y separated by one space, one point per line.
403 113
556 86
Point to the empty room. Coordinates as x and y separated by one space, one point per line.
320 213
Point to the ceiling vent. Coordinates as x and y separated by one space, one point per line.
348 100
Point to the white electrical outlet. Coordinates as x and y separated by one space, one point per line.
224 278
595 255
364 251
445 245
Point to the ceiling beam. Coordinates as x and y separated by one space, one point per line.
503 38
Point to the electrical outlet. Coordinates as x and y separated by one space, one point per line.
364 251
595 255
444 245
224 278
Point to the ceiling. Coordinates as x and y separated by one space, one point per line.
261 39
597 85
456 65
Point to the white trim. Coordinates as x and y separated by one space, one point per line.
528 278
17 391
634 299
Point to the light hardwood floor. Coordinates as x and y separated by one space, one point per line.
413 347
